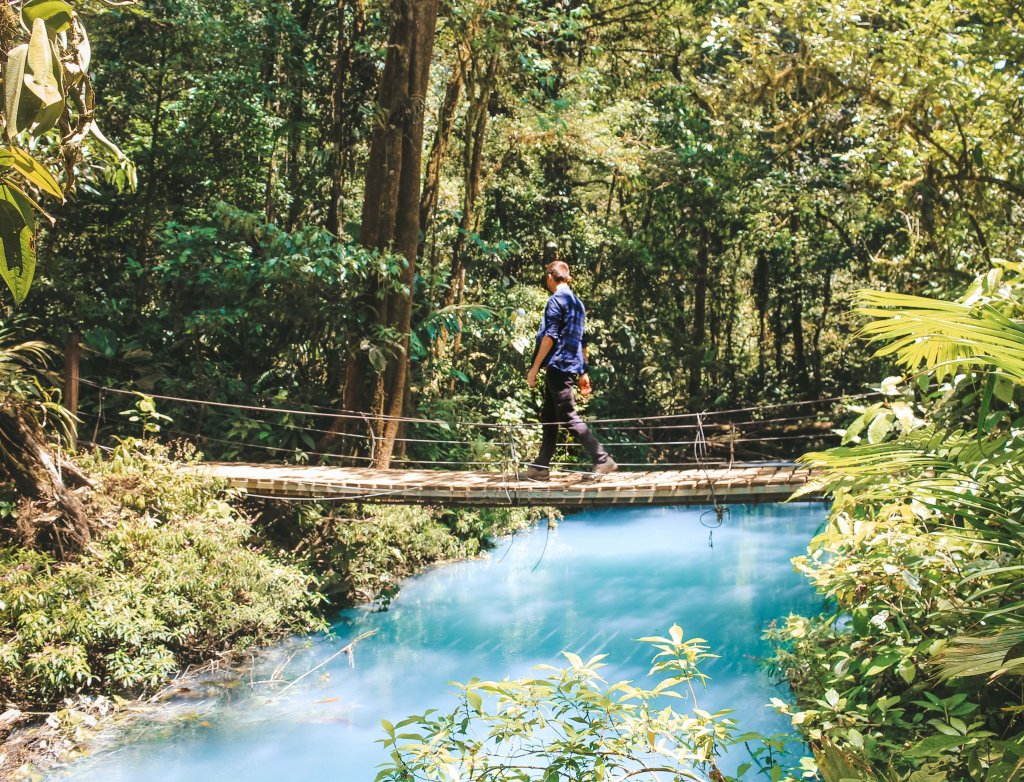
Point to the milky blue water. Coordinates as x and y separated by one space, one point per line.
594 584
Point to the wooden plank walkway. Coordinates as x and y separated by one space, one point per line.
738 484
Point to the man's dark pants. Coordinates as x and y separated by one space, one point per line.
560 409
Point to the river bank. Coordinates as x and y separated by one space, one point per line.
182 575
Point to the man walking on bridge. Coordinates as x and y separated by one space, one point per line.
561 349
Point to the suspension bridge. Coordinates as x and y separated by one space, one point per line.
737 484
717 458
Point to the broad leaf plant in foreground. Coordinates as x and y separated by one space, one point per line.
46 90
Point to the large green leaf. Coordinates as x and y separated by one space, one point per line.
14 82
935 746
56 14
17 242
944 337
35 172
835 765
993 655
40 75
47 117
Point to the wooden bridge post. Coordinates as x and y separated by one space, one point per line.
71 381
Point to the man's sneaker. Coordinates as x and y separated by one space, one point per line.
534 473
600 470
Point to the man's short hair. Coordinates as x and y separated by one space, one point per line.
559 270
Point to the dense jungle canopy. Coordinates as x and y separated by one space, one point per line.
720 176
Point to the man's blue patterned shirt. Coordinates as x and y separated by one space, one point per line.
563 321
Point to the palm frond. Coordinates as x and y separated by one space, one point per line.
941 336
965 481
998 654
21 364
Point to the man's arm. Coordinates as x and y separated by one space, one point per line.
542 353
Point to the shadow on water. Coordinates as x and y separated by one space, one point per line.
594 584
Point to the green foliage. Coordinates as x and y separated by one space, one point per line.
24 380
241 311
21 364
360 554
863 674
570 724
173 580
921 560
46 83
17 242
145 414
484 383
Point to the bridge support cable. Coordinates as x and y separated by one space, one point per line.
714 518
636 420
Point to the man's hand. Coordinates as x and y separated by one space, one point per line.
585 388
531 377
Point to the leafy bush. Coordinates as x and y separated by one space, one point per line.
570 724
915 671
864 673
359 554
172 581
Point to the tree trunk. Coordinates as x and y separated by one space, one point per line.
392 195
799 352
797 310
477 117
342 63
700 307
302 12
779 333
826 305
460 289
442 139
472 166
51 516
344 105
268 76
761 282
149 196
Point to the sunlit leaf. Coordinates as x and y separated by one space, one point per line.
55 13
17 242
40 76
14 81
35 172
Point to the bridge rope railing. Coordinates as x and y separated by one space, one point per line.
473 443
346 414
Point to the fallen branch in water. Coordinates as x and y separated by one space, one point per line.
349 649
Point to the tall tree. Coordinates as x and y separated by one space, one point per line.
391 204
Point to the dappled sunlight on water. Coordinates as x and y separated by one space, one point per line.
594 584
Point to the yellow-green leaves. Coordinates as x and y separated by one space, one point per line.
943 337
33 85
17 218
43 78
34 171
570 724
14 80
17 241
56 14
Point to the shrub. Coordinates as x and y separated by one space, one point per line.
359 554
173 580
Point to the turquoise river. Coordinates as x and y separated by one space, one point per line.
594 584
